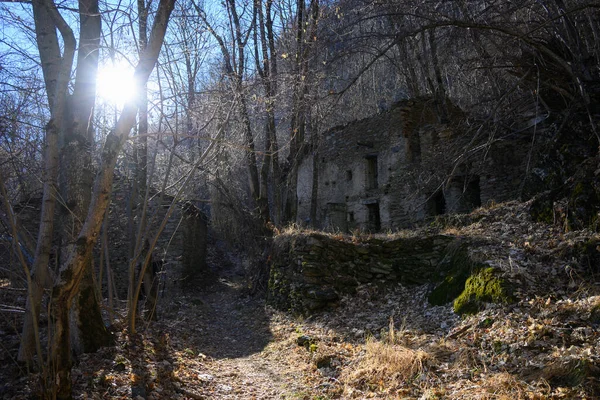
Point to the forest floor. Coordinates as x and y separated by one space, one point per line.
384 342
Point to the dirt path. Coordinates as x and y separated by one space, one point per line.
234 340
227 344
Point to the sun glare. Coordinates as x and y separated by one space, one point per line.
115 83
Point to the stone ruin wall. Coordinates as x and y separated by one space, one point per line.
417 176
311 271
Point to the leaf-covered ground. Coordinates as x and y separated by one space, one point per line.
385 342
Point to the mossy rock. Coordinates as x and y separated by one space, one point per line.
448 290
483 286
453 284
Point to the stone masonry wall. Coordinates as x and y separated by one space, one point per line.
310 271
402 166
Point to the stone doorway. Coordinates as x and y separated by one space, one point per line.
374 218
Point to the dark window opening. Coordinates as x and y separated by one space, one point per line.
413 147
436 204
372 177
350 217
349 175
473 193
463 196
374 222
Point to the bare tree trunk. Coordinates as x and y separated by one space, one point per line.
440 90
305 35
41 258
142 150
138 192
89 333
72 271
240 40
412 82
254 180
56 70
268 74
272 127
11 223
235 69
106 258
152 244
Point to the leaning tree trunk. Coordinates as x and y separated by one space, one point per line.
89 332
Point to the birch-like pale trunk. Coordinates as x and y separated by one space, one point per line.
72 271
56 69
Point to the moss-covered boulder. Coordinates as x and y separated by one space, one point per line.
483 286
453 284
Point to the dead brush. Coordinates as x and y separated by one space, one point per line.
499 386
387 366
466 359
397 360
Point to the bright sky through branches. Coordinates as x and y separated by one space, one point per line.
115 83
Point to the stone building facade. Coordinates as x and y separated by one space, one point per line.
404 165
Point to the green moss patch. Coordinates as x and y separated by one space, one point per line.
483 286
449 289
454 282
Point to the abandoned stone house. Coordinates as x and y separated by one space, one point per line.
404 165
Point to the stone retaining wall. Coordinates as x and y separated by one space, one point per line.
310 271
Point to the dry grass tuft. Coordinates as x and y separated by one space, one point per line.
387 365
466 359
500 386
392 359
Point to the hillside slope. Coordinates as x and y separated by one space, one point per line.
385 342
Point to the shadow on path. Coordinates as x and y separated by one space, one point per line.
232 324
